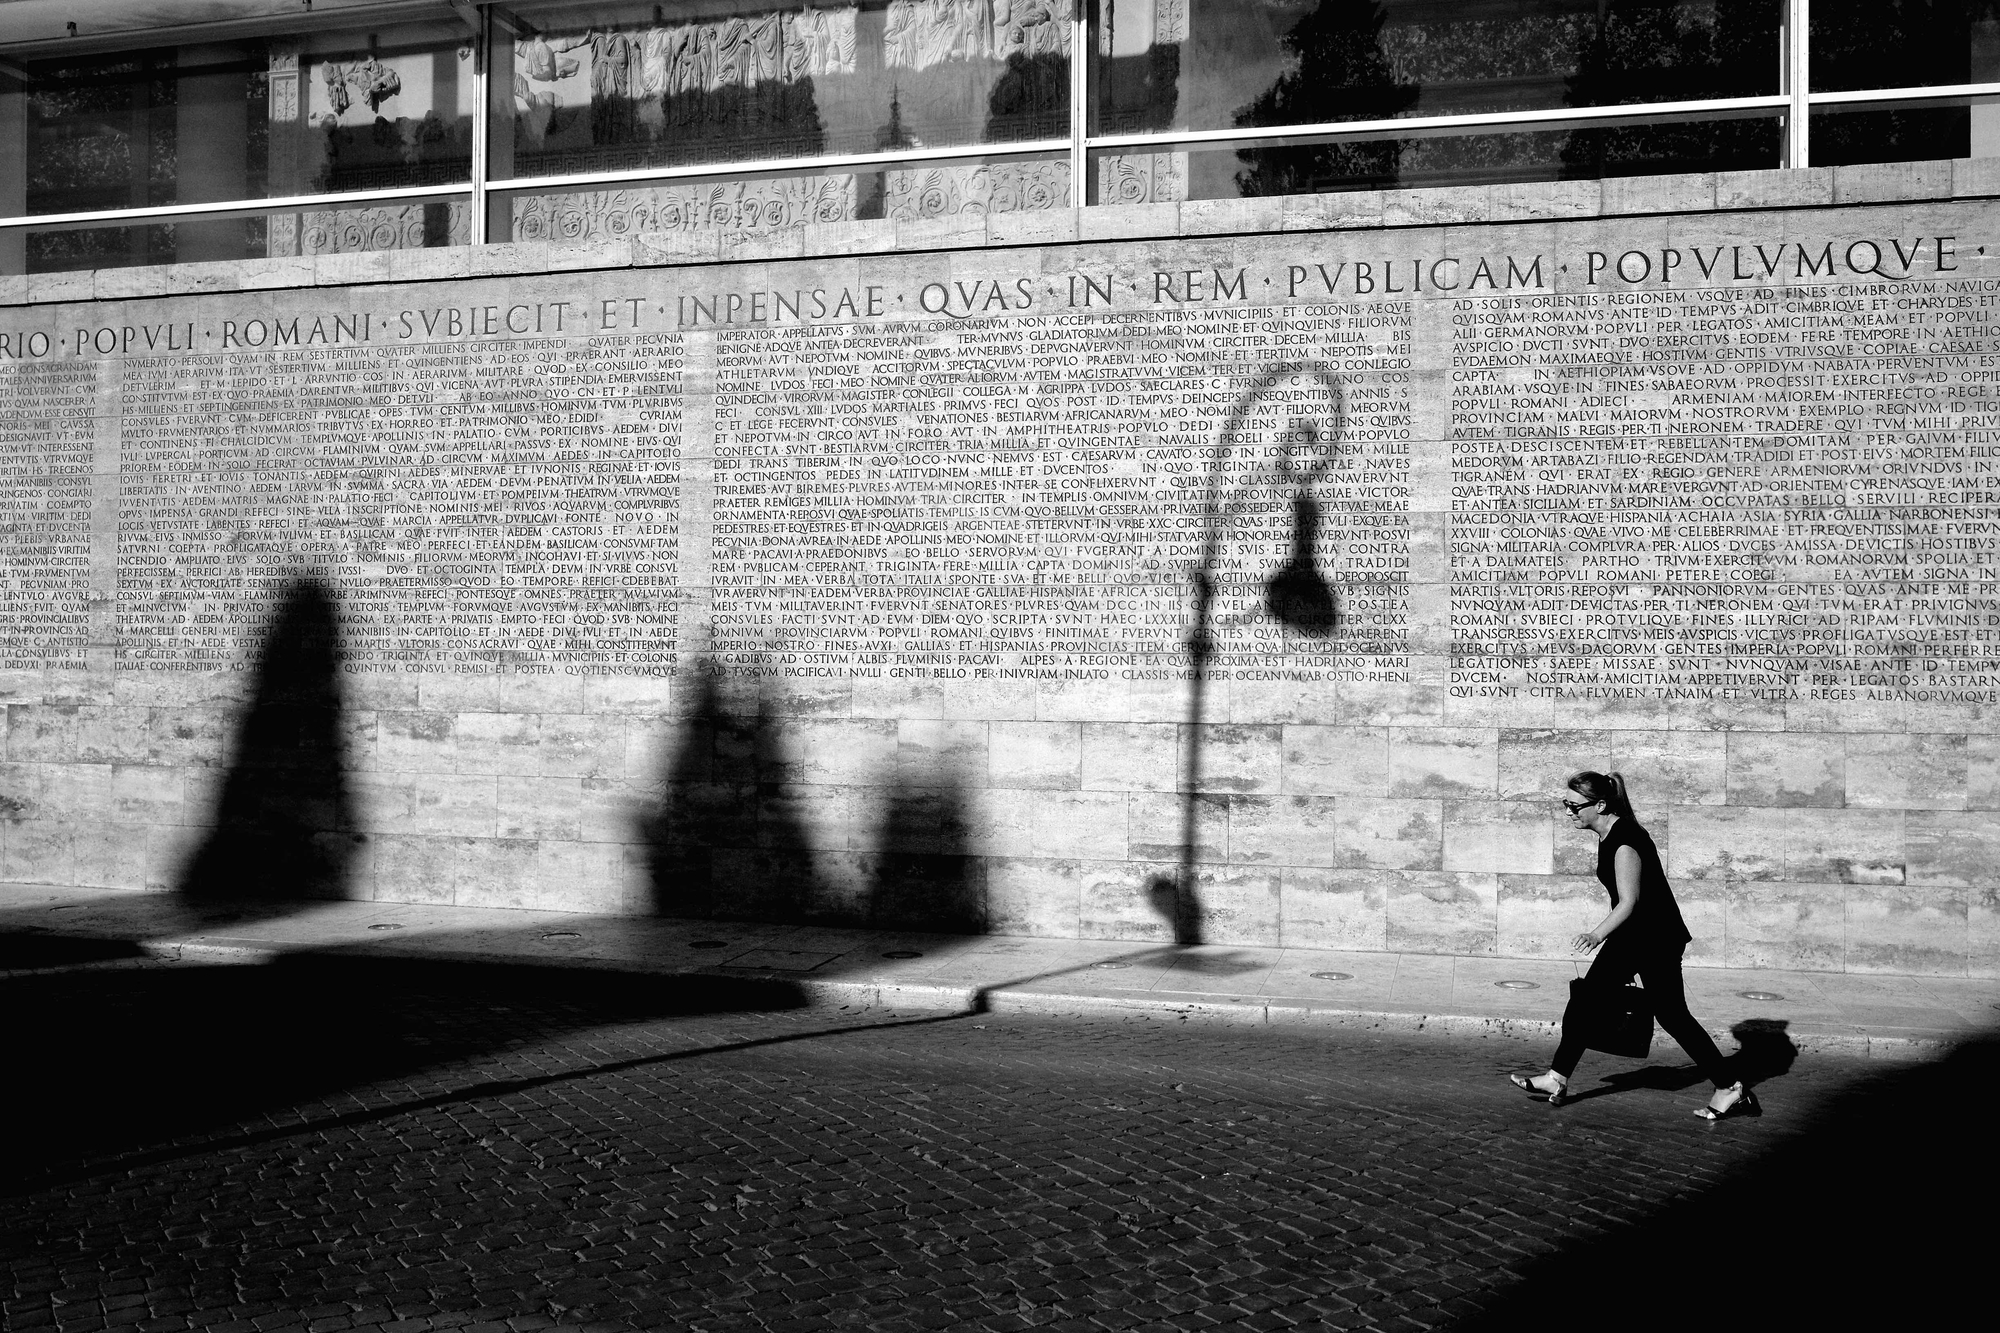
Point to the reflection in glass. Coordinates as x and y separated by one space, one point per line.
264 235
1471 159
776 203
1860 44
619 87
1166 65
319 114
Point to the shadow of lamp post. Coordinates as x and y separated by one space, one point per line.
1297 596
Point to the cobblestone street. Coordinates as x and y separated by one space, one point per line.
331 1144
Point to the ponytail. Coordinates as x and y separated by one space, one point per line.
1606 787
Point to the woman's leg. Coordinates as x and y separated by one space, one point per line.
1667 994
1613 966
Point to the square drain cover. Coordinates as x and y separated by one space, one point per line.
780 960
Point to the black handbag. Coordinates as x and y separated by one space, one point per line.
1617 1019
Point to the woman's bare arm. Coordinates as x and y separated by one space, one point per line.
1625 866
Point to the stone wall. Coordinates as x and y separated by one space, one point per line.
864 587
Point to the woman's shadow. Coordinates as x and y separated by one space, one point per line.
1765 1051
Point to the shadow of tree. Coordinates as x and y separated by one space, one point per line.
732 837
284 819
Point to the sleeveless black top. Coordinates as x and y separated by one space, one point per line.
1656 921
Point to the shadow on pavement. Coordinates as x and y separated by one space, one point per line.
1764 1051
1870 1213
109 1062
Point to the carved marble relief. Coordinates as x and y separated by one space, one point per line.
922 33
764 205
1142 178
335 231
708 56
992 187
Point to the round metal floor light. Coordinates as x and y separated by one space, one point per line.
1333 976
1518 985
1110 965
1764 995
561 935
387 925
902 953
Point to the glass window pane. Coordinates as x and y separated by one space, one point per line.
775 203
1903 44
1843 137
610 87
318 113
1470 159
320 231
1223 64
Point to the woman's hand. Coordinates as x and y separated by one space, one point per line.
1587 941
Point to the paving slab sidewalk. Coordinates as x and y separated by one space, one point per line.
1888 1016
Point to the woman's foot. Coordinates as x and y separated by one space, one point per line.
1550 1085
1732 1100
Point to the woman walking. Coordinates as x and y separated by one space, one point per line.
1643 935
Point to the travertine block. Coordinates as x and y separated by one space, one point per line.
1389 833
1442 913
538 807
1506 836
1035 754
1952 849
1231 758
1908 771
1539 915
1335 761
1283 830
453 804
1034 897
1128 756
933 752
1845 846
1801 926
1086 825
1443 761
1907 930
1669 768
1332 909
1786 769
1237 905
1726 844
1157 826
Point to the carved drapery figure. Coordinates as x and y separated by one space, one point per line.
918 34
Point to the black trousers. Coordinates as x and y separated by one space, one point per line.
1659 971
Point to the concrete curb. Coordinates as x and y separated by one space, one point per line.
829 994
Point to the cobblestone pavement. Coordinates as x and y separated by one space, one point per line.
331 1144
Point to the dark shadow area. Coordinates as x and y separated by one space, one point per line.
1869 1214
730 841
283 822
1764 1051
1298 595
1178 902
924 878
1342 74
725 841
24 949
125 1060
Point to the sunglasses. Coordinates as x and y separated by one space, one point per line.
1576 807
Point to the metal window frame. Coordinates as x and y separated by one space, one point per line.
1795 102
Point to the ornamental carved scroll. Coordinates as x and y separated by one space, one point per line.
759 206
